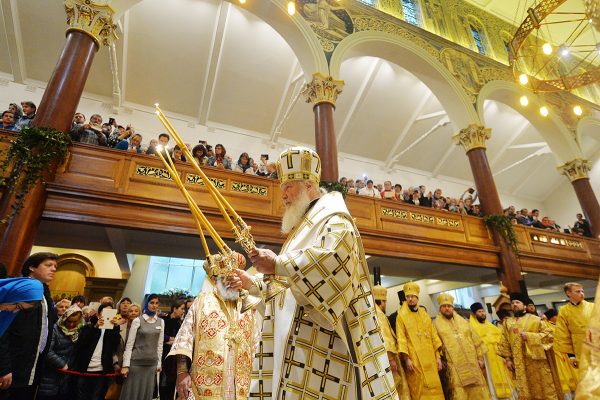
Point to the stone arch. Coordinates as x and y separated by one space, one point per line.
294 30
418 61
551 128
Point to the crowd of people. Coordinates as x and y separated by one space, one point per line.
111 134
75 349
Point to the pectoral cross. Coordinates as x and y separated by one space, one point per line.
233 336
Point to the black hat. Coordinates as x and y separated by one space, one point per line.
475 307
518 296
502 313
529 301
551 313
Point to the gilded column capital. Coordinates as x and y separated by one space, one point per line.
472 137
92 18
575 169
322 89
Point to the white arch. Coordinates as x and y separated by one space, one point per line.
417 61
588 126
551 128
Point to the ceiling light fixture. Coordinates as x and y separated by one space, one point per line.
291 8
547 49
523 79
524 101
544 111
577 110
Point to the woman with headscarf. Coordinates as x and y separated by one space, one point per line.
143 353
54 384
17 294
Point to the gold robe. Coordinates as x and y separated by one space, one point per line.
571 326
589 385
391 345
501 385
419 340
320 335
462 348
566 373
533 359
218 345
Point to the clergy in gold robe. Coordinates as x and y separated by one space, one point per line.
572 323
419 346
218 340
463 351
498 376
566 372
321 338
526 346
390 342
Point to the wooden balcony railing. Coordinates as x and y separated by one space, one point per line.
116 188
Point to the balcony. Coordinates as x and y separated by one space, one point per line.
111 188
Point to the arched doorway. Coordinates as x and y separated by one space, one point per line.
70 276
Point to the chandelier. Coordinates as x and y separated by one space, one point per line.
557 46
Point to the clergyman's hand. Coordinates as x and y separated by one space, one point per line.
510 365
263 260
184 385
244 277
440 366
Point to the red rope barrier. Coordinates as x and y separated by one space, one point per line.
92 374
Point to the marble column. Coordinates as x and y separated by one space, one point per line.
473 140
323 91
90 26
577 171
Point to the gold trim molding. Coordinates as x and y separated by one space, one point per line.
575 169
153 172
194 179
94 19
472 137
420 218
322 89
249 188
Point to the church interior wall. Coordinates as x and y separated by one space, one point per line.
105 263
136 284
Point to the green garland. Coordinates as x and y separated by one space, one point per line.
29 156
334 186
504 227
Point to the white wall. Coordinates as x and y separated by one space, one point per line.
105 263
135 288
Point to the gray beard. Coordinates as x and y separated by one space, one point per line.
293 214
226 293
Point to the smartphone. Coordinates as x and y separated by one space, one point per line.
471 190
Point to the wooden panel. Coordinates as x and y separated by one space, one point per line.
362 210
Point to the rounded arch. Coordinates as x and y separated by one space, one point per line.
417 61
588 126
551 128
294 30
74 258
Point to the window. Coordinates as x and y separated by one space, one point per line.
463 298
166 273
477 37
411 12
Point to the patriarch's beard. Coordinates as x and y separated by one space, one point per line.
292 216
225 292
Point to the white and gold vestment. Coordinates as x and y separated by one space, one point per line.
321 338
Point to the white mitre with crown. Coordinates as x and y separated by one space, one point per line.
299 164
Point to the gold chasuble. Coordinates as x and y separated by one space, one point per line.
535 369
391 345
462 348
566 373
320 335
501 385
589 385
220 351
571 327
419 340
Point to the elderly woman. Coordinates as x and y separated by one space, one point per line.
17 294
61 307
54 384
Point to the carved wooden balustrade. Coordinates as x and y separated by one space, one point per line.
116 188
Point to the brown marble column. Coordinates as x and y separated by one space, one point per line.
322 92
90 26
577 171
473 140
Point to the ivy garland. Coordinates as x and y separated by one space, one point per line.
334 186
30 155
504 227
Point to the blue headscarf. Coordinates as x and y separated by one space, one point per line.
148 300
14 290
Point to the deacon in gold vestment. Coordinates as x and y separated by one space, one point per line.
589 385
463 351
219 341
526 345
390 342
498 376
571 325
419 347
320 336
566 372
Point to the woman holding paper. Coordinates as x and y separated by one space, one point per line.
143 352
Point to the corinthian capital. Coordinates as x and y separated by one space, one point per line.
472 137
575 169
92 18
322 89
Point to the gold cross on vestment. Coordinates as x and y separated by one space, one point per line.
233 336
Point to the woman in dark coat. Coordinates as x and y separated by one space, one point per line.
54 384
